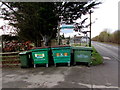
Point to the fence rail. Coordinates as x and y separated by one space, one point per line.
10 59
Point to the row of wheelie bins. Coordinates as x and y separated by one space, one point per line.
54 55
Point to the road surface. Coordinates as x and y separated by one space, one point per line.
109 69
102 76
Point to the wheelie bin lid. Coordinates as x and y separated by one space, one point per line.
24 52
82 48
40 48
60 46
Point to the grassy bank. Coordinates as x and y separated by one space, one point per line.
115 44
96 57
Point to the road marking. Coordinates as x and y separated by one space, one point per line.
97 86
103 86
13 75
87 85
107 58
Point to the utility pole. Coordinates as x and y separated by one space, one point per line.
90 29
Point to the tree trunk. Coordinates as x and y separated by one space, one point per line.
37 43
46 40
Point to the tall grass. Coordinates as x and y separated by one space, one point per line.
96 57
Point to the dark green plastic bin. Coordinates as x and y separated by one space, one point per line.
25 59
82 54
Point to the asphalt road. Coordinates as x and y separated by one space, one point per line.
109 69
102 76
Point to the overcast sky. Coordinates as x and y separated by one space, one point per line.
106 14
107 17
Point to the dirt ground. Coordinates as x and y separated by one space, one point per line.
56 77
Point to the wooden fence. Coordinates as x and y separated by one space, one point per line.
10 59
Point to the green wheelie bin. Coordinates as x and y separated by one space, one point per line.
25 59
40 55
61 54
82 54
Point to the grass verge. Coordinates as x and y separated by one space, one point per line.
115 44
96 57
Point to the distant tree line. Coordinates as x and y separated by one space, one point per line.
106 36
